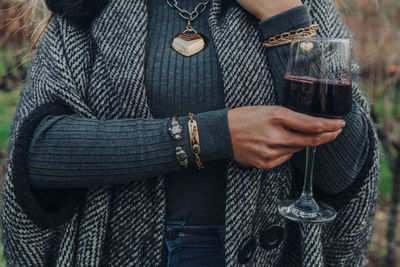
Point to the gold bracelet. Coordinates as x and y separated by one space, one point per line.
194 140
286 37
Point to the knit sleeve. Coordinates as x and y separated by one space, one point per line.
286 21
68 151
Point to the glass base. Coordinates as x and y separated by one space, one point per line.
307 211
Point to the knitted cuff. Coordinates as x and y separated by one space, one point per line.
214 135
292 19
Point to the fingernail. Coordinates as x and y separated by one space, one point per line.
342 123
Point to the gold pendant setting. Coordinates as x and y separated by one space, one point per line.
189 42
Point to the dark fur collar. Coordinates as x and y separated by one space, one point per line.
79 12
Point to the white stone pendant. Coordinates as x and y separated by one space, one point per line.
189 43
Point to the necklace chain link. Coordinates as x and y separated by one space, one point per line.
189 16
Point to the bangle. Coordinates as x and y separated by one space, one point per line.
286 37
194 140
175 129
181 156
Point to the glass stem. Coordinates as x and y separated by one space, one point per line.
307 193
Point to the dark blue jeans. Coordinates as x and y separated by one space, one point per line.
194 246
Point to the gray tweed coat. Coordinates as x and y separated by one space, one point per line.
98 72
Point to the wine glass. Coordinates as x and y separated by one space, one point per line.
317 83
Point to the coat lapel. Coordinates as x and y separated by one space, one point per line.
243 60
120 35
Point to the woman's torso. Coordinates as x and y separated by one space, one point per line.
177 85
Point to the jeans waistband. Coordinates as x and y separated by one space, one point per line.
178 235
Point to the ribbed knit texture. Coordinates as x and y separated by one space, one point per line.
68 151
178 85
284 22
100 76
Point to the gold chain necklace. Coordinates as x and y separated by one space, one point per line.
189 42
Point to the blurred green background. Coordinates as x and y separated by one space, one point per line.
376 27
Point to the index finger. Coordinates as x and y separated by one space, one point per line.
309 124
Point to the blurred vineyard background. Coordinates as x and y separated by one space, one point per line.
376 27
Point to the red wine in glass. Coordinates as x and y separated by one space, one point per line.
321 98
317 83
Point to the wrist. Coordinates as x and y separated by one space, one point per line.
266 11
215 140
292 19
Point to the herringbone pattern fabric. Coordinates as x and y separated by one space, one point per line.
100 73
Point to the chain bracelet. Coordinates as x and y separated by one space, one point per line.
189 16
286 37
